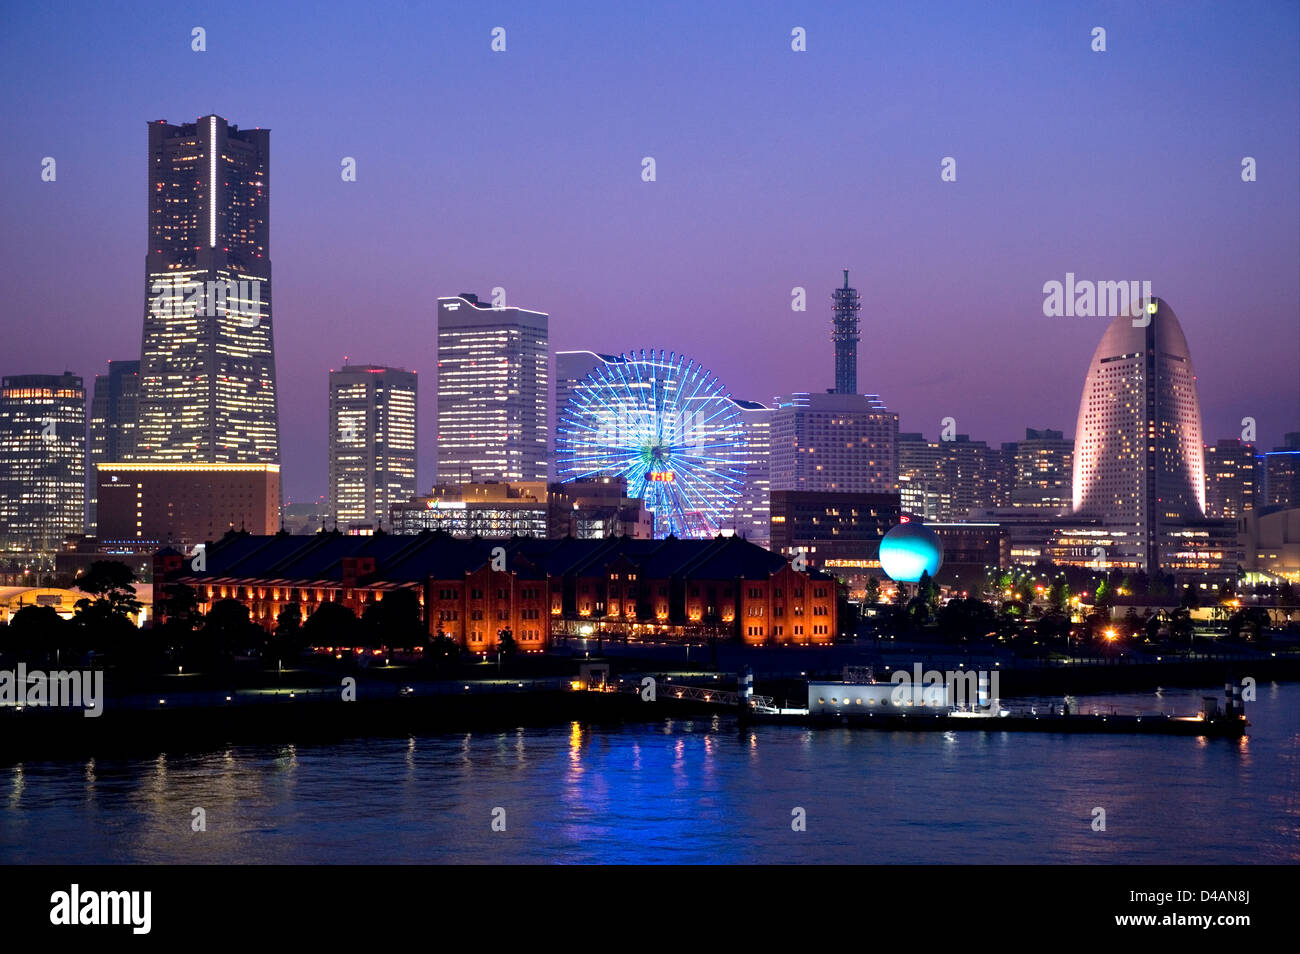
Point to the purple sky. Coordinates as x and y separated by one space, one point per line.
775 169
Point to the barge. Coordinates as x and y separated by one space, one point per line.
938 707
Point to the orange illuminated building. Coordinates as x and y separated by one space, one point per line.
541 590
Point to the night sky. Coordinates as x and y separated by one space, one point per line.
775 169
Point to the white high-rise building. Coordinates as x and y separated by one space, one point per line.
571 372
493 380
372 445
838 443
1139 462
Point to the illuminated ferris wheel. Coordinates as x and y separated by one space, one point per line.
666 425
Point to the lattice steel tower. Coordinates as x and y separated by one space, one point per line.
844 332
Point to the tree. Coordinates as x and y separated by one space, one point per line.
1132 624
178 609
872 590
332 624
442 650
1249 624
1058 595
961 618
35 633
1054 625
395 620
105 617
176 622
287 641
228 631
1104 598
928 590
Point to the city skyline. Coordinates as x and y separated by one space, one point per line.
759 205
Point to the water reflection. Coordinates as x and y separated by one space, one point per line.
693 790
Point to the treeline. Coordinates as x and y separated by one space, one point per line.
101 629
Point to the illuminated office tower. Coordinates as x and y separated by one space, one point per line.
946 479
922 487
1280 469
207 368
1139 463
372 445
1043 466
42 460
114 407
840 443
493 378
1229 478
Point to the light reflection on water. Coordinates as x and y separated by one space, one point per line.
685 790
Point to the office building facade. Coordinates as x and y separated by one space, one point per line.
42 460
1042 471
493 386
207 365
114 407
1280 468
147 505
1229 479
372 444
833 443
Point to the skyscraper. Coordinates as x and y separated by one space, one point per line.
42 459
1229 478
751 517
1043 466
841 443
946 479
1139 461
1280 468
372 443
207 368
114 409
572 369
844 332
922 487
493 375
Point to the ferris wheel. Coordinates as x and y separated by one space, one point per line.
668 427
